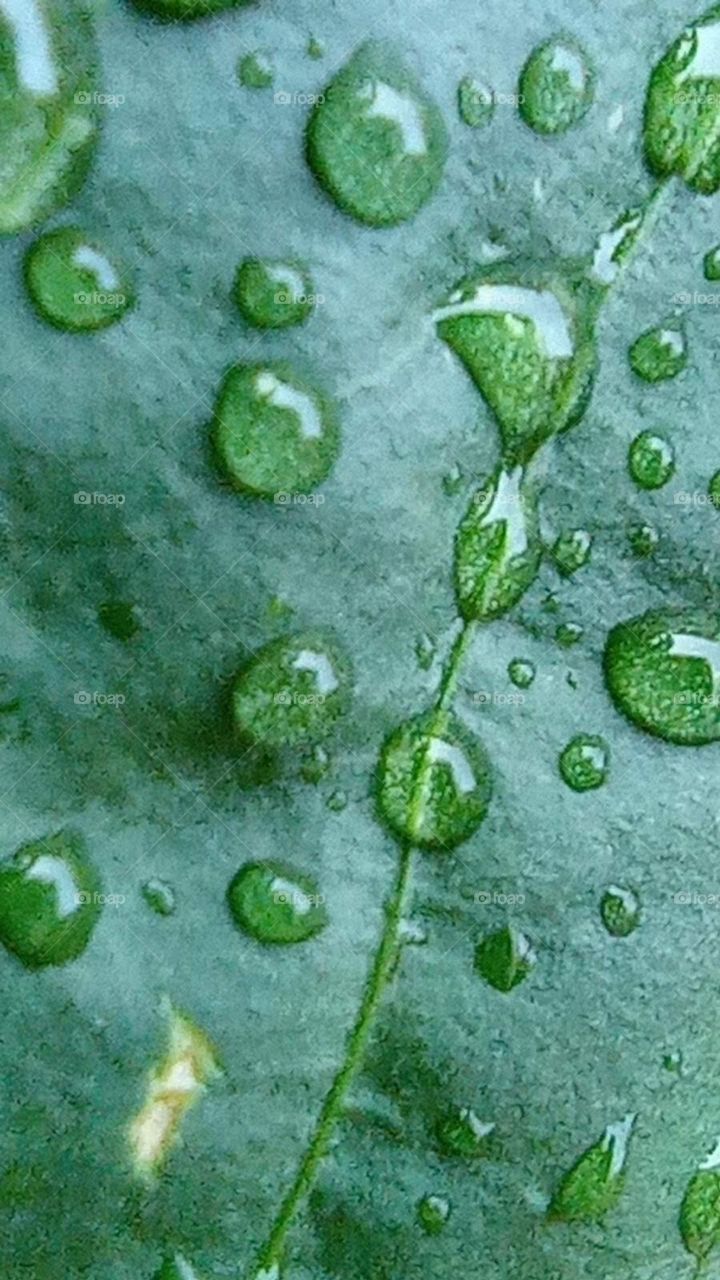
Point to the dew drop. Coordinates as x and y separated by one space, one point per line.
50 900
673 1062
273 294
572 551
275 904
505 958
521 672
462 1133
72 284
659 353
651 460
275 434
714 490
595 1183
643 539
711 264
682 115
159 896
376 142
700 1209
476 102
433 1213
497 547
118 618
255 71
568 634
620 911
425 652
585 761
292 691
557 86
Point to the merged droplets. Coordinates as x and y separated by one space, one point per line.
275 434
497 547
663 672
557 86
275 904
505 958
651 460
476 102
700 1209
50 900
682 109
572 551
292 691
585 761
376 142
273 294
660 353
72 282
620 911
595 1183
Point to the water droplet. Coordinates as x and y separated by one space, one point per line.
557 86
425 652
434 782
643 539
584 763
337 801
505 958
673 1062
526 338
660 353
663 672
714 490
476 102
51 114
275 434
160 896
594 1184
572 551
292 691
118 618
620 911
316 765
682 109
273 903
50 900
651 460
433 1213
176 1268
315 48
453 480
497 548
569 633
186 10
255 71
273 294
700 1209
462 1133
522 672
376 142
73 284
711 263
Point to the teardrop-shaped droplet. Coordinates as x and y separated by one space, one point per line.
434 782
186 10
557 86
255 70
711 263
700 1209
643 539
594 1185
527 340
72 282
682 108
651 460
376 142
433 1213
663 672
522 672
659 353
176 1268
505 958
292 691
476 102
620 911
462 1133
585 761
572 551
50 900
273 903
714 490
50 117
159 896
272 294
276 436
497 548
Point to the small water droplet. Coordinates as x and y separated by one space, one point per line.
433 1213
273 294
522 672
594 1184
643 539
376 142
714 490
572 551
73 284
118 618
505 958
557 86
50 900
711 263
462 1133
337 801
651 460
160 896
497 547
292 691
275 904
569 633
316 765
476 102
673 1062
585 761
452 481
425 652
659 353
620 911
315 48
255 70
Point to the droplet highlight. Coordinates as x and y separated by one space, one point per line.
620 911
659 354
595 1183
497 547
571 551
505 958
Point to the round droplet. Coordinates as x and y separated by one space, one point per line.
620 911
73 284
51 111
643 539
660 353
584 763
522 672
572 551
186 10
273 294
714 490
673 1062
462 1133
292 691
568 634
275 434
711 264
118 618
433 1213
434 782
557 86
273 903
476 102
663 672
50 900
160 896
651 460
255 70
682 111
376 142
505 958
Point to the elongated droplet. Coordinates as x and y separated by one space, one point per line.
50 900
176 1268
526 339
505 958
700 1209
594 1185
73 284
273 294
497 548
292 691
522 672
620 911
255 71
434 783
376 142
614 247
275 904
160 896
433 1213
651 460
462 1133
663 672
557 86
572 551
476 102
186 10
682 108
275 435
660 353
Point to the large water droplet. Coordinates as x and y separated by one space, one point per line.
434 782
73 284
700 1209
274 433
462 1133
663 672
186 10
682 109
375 141
620 911
497 548
50 900
659 353
572 551
651 460
522 672
476 102
505 958
433 1213
273 294
557 86
594 1185
292 691
255 70
584 763
273 903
